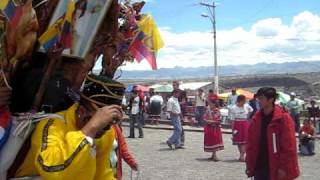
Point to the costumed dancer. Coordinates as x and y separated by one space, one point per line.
84 144
212 131
240 124
271 149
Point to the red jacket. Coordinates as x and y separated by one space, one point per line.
123 152
282 146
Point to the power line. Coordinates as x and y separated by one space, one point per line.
265 6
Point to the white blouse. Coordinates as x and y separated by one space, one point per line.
240 112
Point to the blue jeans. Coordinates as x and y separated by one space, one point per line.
135 118
307 147
176 136
200 110
296 120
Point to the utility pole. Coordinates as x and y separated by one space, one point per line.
212 17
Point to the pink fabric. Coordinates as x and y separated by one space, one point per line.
240 132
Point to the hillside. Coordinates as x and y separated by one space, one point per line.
204 72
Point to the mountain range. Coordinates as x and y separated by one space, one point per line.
229 70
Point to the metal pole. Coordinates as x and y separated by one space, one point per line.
212 18
216 76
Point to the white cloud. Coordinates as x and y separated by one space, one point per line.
268 40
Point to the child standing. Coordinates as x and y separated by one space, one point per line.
212 131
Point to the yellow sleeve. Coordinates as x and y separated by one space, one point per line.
63 154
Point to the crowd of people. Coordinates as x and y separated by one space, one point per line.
263 131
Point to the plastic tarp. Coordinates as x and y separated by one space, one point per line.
164 88
194 85
155 86
285 98
139 88
248 94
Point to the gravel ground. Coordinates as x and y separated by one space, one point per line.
157 162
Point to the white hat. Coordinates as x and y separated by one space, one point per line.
293 94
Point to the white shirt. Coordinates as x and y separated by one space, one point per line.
240 112
156 98
124 101
232 99
135 106
200 100
173 105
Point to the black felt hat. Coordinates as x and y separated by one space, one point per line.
102 90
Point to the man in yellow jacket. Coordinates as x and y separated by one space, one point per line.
81 145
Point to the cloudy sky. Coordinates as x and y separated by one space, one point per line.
248 32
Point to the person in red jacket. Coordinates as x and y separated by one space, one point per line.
271 149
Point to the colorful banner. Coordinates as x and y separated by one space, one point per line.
11 11
147 41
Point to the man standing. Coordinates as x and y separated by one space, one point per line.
271 148
293 107
232 99
142 106
182 101
200 106
313 114
134 106
173 107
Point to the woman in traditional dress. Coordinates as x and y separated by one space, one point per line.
240 123
212 131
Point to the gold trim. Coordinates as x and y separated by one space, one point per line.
93 101
44 146
105 95
109 91
66 163
107 84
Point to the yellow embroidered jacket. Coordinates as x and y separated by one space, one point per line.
60 151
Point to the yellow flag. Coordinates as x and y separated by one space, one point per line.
149 27
3 4
70 10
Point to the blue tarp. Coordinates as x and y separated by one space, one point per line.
129 88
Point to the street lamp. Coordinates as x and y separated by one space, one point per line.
205 15
212 17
